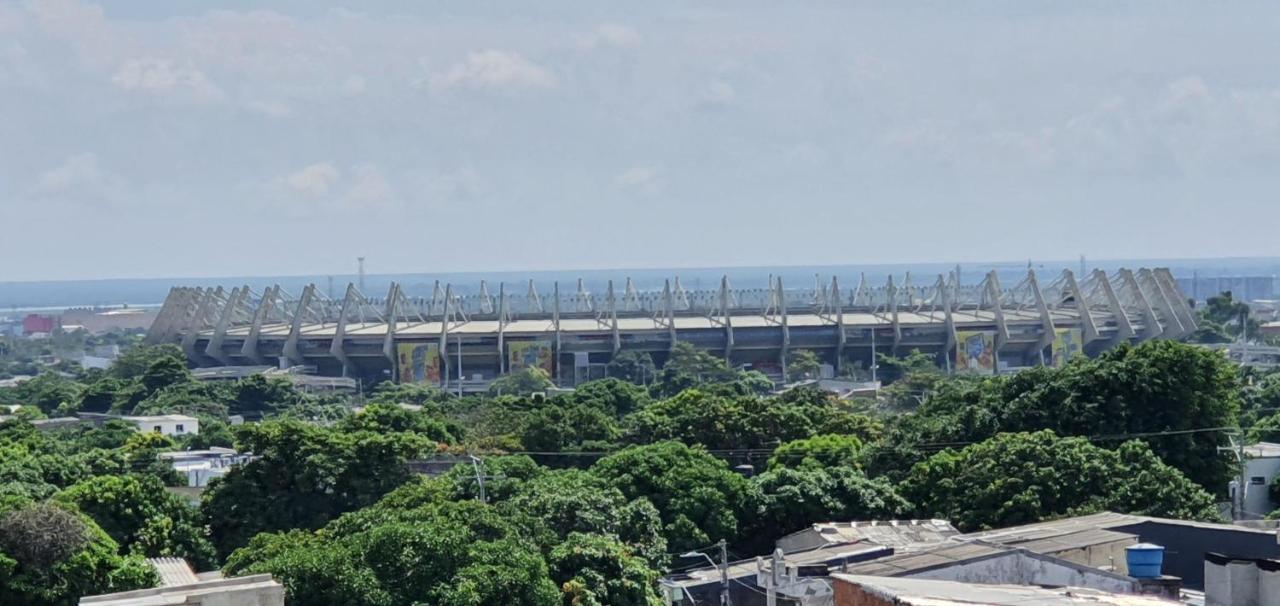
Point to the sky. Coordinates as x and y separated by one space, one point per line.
154 139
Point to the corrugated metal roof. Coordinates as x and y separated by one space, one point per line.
919 592
173 572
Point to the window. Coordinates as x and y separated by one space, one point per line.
1257 480
156 429
178 428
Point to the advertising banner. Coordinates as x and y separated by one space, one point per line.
975 352
418 362
526 354
1067 343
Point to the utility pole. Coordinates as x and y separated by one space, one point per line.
475 466
724 573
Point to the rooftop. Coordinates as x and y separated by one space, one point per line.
156 418
919 592
1263 450
894 533
257 590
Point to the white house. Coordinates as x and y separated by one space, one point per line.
169 425
200 466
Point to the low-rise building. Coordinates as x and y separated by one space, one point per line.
169 425
256 590
200 466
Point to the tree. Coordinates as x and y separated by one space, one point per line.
51 557
258 395
142 517
803 364
698 497
303 477
818 452
613 396
522 382
1027 477
392 418
632 366
793 499
596 570
452 553
136 360
689 367
48 391
575 501
1161 389
555 428
165 372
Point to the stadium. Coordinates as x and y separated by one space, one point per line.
465 341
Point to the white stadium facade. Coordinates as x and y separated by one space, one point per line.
465 341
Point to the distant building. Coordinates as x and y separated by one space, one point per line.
200 466
169 425
892 533
98 320
855 590
36 324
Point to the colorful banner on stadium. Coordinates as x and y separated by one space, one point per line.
975 352
418 362
1067 343
526 354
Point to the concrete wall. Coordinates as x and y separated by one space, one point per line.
1021 568
1106 555
1257 501
1241 582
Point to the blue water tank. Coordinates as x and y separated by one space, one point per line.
1145 560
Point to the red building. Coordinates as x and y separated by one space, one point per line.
36 323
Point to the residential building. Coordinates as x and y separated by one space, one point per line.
256 590
200 466
1262 463
169 425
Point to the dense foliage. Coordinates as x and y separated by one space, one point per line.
579 497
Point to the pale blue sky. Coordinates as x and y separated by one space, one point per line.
167 139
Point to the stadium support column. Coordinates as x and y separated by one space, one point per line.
502 327
995 294
337 348
727 319
1150 325
1160 300
892 291
1088 327
1169 286
786 329
198 321
1124 328
291 351
1046 318
670 312
612 302
948 305
838 303
214 348
555 321
250 347
157 332
393 324
444 337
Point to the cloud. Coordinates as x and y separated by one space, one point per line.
641 179
81 179
314 180
165 77
353 85
717 95
321 188
369 190
494 69
612 35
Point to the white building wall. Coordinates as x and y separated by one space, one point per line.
172 428
1257 498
